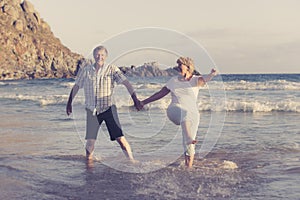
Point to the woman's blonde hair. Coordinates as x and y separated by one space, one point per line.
188 62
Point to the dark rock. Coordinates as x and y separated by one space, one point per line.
147 70
28 48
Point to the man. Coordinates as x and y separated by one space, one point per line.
98 82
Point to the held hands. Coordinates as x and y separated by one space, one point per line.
138 104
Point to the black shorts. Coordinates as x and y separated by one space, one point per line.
111 120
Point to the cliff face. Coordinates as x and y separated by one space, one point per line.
28 48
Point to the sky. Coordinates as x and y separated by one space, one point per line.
239 36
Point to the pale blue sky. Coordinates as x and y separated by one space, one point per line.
241 36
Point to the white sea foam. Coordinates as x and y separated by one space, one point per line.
3 83
204 104
150 86
53 100
40 99
262 106
238 85
251 106
230 105
229 165
241 96
268 85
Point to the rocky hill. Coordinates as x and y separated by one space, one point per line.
151 69
147 70
28 48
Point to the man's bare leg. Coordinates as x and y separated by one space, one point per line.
89 148
125 147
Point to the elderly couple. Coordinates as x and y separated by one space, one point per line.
98 82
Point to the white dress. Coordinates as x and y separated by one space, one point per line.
183 109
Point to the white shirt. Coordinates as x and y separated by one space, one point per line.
184 93
98 89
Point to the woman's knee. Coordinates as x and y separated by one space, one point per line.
175 114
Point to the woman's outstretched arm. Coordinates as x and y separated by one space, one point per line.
203 79
158 95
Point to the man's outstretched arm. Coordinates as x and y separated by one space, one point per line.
72 95
132 93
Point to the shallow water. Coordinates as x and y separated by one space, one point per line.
42 152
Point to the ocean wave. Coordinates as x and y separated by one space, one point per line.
67 84
125 103
277 101
6 83
150 86
268 85
262 106
236 85
227 106
40 100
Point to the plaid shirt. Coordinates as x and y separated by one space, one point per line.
106 78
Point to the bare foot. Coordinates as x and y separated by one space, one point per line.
133 161
89 164
189 168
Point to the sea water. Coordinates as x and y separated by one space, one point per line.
252 154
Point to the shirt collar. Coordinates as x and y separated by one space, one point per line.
104 66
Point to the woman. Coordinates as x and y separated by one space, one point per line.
183 109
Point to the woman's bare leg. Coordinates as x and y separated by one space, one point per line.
189 143
189 161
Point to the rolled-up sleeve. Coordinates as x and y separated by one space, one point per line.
118 75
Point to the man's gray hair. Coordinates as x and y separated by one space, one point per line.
98 48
